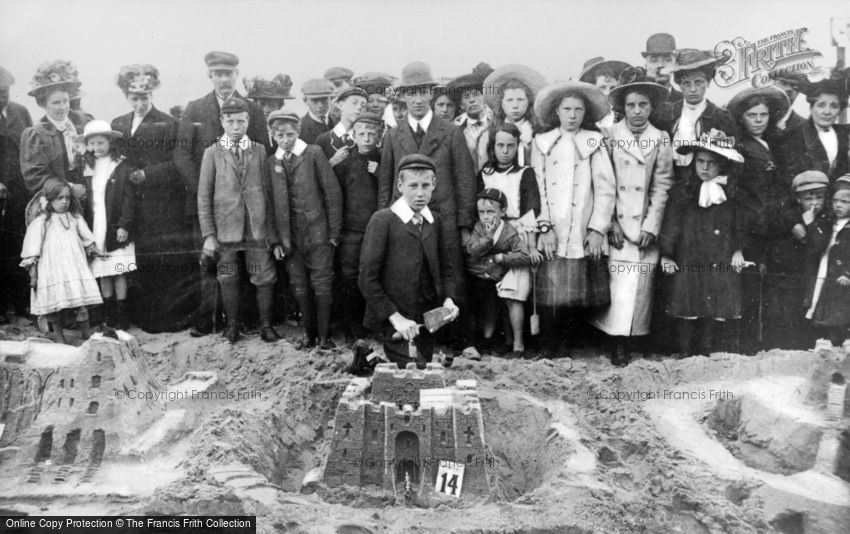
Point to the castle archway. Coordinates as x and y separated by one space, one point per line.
407 456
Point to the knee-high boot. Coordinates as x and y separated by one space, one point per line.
265 299
230 302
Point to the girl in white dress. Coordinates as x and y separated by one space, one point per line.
111 211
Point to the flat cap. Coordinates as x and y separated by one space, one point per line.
6 78
370 118
234 105
317 87
842 182
374 82
417 161
352 91
496 195
338 73
808 180
284 115
221 60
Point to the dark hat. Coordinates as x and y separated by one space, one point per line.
660 43
793 79
496 195
593 67
317 87
634 78
283 115
777 101
58 74
234 105
473 80
497 79
138 79
221 61
6 78
836 85
338 73
352 91
691 59
277 88
597 103
370 118
809 180
717 142
417 161
416 74
374 83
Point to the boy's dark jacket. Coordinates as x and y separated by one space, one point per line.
481 252
833 308
359 189
785 253
120 200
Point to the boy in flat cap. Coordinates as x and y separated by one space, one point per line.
308 209
406 267
317 95
338 143
200 128
358 179
234 212
340 77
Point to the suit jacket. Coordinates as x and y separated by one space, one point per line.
43 154
667 119
162 196
802 151
392 255
11 127
359 189
760 187
307 202
330 142
312 129
200 128
120 201
227 190
454 194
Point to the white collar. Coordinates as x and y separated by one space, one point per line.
484 119
316 117
401 208
61 126
225 142
340 130
221 100
424 121
498 233
297 149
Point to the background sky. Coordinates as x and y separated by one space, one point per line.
304 38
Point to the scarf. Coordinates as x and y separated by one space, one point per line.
711 192
69 135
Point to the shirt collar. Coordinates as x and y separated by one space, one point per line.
424 121
698 108
61 126
340 130
401 208
316 117
297 149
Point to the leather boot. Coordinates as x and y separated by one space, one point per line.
324 307
705 336
308 320
121 319
265 296
230 302
108 316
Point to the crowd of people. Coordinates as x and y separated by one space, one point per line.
528 211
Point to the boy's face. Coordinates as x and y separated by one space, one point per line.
812 199
416 188
98 145
707 165
285 134
318 105
489 212
235 124
351 108
366 137
841 203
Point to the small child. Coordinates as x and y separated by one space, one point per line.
830 307
54 250
406 267
798 230
496 252
111 213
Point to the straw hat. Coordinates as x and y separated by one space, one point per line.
691 59
99 127
634 78
717 142
777 101
593 68
597 103
58 74
138 79
497 79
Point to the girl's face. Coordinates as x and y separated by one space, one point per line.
505 147
515 104
812 199
841 203
825 110
444 107
57 106
141 103
707 165
571 113
61 203
755 119
98 145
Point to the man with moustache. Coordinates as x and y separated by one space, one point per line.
660 57
200 128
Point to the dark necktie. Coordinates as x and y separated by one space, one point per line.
237 154
419 134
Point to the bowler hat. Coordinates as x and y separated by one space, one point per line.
277 88
221 61
597 66
317 87
660 43
283 115
58 74
689 59
99 127
809 180
6 78
234 105
496 80
417 161
634 79
138 79
416 74
777 101
717 142
496 195
369 118
597 103
338 73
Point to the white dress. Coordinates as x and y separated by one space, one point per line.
118 261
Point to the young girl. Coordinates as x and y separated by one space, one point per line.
830 307
55 249
111 211
519 185
510 91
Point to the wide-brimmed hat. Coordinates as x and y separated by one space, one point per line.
597 103
138 79
497 79
660 43
416 74
99 127
632 79
6 78
277 88
473 80
777 101
717 142
58 74
691 59
837 84
593 67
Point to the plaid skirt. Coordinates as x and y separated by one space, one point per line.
573 283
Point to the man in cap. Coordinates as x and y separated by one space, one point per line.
200 128
317 95
660 58
476 118
339 141
14 118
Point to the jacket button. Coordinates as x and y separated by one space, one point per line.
838 262
622 188
716 231
620 215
